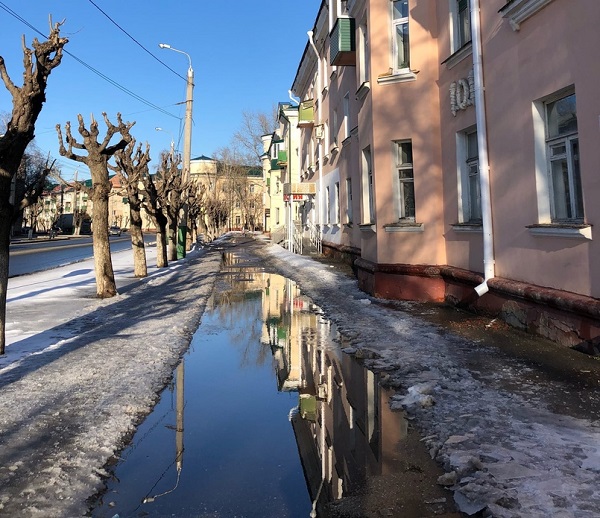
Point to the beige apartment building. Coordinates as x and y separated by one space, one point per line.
452 145
286 197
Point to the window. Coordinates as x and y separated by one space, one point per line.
238 221
336 202
277 216
468 178
406 185
400 34
348 200
363 55
368 187
251 187
327 207
463 23
346 120
562 150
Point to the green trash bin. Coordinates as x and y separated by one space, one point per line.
181 236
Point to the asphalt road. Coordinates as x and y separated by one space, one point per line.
29 256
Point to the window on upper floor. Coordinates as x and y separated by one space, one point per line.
363 61
460 24
562 154
400 34
406 180
346 119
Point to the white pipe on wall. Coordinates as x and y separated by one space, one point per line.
320 144
484 166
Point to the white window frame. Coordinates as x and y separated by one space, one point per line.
336 203
467 167
368 188
456 42
568 140
401 183
364 72
396 24
544 187
349 212
346 119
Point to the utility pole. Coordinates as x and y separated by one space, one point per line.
187 150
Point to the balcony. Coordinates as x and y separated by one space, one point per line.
282 158
342 42
275 165
306 114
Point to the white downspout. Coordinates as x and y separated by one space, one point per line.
320 145
484 166
294 100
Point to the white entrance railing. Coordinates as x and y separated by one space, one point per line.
315 236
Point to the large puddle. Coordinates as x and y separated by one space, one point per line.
265 417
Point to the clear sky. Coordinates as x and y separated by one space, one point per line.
244 54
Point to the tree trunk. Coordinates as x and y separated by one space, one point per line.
140 268
161 245
172 248
105 277
4 258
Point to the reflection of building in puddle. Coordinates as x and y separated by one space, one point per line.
345 430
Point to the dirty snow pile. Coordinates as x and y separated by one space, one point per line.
79 373
505 452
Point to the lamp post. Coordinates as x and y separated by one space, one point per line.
172 140
187 149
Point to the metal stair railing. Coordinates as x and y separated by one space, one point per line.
315 237
297 238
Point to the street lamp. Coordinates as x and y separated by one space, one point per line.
172 140
187 150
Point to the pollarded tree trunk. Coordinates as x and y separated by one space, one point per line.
27 102
172 233
98 154
5 224
105 277
140 266
162 260
132 166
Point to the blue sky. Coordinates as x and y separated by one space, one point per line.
244 54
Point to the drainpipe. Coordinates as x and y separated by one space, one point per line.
484 166
292 98
320 145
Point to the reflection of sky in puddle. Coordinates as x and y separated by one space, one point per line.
225 447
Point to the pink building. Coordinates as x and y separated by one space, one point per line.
453 144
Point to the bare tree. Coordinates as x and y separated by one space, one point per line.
196 192
97 157
171 189
151 202
132 165
255 124
27 101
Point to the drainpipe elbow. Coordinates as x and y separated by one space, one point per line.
482 288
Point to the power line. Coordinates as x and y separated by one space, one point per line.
91 68
135 41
